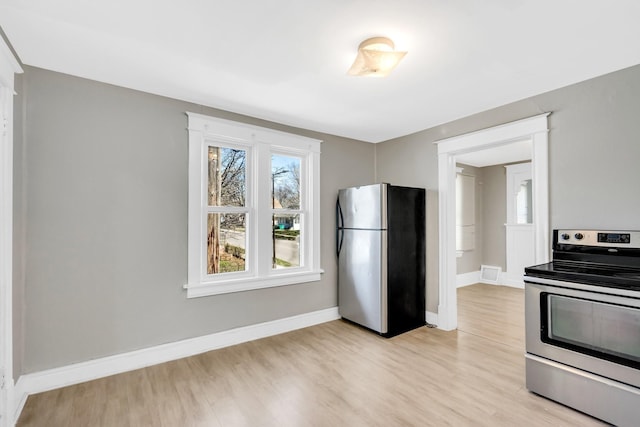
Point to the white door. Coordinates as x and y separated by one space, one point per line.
519 226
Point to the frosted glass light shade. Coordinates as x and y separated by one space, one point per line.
376 58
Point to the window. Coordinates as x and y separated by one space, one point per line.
519 194
524 205
253 207
286 214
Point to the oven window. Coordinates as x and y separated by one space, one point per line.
600 329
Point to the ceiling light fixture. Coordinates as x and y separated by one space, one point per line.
376 58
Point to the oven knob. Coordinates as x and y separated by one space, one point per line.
565 236
579 236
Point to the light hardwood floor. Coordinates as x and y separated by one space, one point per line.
334 374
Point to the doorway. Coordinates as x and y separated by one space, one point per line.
534 129
494 216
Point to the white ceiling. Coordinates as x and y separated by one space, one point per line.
286 60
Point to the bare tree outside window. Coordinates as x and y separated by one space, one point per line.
226 233
287 192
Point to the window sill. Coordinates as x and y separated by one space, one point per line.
240 285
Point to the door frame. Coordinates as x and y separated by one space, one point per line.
534 129
9 66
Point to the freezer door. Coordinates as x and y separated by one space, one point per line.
362 278
363 207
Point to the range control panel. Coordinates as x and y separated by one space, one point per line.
604 238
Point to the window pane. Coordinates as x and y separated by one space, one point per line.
227 176
285 182
524 203
286 241
226 242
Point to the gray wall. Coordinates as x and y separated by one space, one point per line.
593 151
410 162
102 172
103 184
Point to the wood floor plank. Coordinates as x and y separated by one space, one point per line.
333 374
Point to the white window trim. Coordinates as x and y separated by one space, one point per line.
261 143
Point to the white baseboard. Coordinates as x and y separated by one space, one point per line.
50 379
512 282
431 318
466 279
19 399
474 277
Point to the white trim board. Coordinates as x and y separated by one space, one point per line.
50 379
9 66
431 318
513 282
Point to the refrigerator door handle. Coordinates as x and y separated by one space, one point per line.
339 230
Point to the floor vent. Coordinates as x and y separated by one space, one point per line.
490 274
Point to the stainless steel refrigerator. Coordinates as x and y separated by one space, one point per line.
381 257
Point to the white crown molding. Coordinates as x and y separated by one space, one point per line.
9 65
50 379
497 135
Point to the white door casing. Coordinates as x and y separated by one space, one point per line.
8 67
534 129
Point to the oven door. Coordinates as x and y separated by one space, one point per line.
591 331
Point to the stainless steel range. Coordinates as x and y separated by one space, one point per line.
582 315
